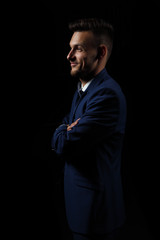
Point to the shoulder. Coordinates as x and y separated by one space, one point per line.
107 87
109 82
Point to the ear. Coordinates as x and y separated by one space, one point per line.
102 51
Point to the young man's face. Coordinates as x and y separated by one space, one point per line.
83 55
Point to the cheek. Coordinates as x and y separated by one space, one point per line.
86 60
89 61
81 56
82 60
91 57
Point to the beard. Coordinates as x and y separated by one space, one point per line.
84 74
76 73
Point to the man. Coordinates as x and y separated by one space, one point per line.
90 138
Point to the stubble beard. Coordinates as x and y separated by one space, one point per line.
85 75
75 73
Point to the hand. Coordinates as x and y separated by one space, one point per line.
69 127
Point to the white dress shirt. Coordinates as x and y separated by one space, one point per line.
83 88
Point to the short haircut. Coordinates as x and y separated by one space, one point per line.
103 30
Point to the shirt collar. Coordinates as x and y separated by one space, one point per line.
83 88
100 75
86 85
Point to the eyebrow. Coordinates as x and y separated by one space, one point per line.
79 44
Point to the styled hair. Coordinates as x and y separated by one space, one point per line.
103 31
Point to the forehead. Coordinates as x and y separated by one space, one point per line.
85 38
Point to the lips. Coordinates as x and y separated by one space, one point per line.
73 64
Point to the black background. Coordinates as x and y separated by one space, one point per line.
45 94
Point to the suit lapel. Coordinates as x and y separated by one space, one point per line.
98 79
77 101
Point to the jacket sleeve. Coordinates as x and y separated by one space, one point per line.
98 122
65 120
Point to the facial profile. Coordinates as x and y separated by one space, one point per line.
83 54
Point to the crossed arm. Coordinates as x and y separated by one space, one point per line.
98 122
69 127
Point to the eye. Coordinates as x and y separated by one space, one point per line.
79 48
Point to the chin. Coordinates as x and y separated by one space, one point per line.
75 73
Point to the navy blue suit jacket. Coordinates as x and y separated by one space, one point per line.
92 152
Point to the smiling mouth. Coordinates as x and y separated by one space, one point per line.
73 64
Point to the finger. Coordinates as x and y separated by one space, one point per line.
76 121
69 128
73 124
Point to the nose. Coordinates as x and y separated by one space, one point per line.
70 55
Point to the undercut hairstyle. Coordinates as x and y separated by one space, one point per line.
103 31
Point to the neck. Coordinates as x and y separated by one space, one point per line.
91 75
83 82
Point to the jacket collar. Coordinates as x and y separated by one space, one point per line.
97 79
